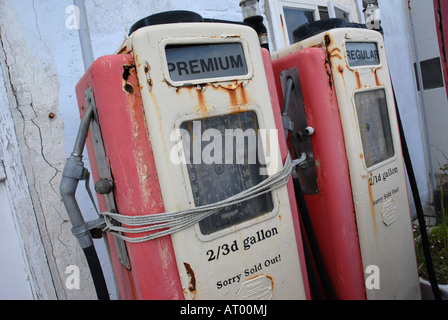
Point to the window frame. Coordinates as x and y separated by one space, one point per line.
331 5
298 6
276 16
276 22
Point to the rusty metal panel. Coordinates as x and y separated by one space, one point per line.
332 209
300 140
130 165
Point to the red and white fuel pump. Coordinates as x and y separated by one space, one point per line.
191 171
354 177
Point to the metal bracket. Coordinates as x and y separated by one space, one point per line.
300 139
89 226
104 172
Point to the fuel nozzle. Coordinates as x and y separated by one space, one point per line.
372 14
253 18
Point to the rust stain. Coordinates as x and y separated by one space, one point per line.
233 98
127 68
336 52
127 86
358 80
327 67
283 30
202 103
243 94
327 39
192 279
377 80
124 50
147 67
201 100
237 95
147 70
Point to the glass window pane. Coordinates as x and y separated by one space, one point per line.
323 13
295 18
373 119
232 141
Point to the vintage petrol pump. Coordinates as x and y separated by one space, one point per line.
354 177
188 165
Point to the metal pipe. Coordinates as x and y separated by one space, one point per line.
73 172
84 34
83 131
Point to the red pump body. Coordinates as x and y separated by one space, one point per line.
331 208
131 164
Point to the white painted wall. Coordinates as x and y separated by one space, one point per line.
15 279
435 99
41 63
398 42
33 37
17 211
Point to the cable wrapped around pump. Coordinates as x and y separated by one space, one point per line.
170 222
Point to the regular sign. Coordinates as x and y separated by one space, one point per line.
362 54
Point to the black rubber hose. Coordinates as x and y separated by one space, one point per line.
97 273
312 279
419 209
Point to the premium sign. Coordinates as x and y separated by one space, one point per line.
205 61
362 54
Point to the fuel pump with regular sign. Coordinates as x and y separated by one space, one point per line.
357 198
197 201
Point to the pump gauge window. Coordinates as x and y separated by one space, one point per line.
222 160
373 119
